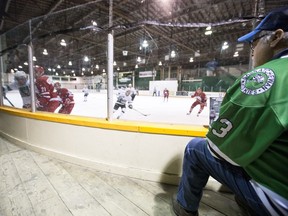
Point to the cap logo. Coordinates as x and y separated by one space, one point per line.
257 81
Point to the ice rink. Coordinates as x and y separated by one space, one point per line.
172 112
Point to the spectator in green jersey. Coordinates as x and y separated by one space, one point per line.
246 148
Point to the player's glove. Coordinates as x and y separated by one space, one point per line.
67 102
38 104
130 106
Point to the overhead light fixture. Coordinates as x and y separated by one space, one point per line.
103 70
160 63
34 58
94 23
45 52
145 44
58 66
19 66
208 31
236 54
173 54
63 42
70 63
25 63
125 52
239 47
86 59
197 53
136 66
114 63
138 59
225 45
97 66
191 59
118 68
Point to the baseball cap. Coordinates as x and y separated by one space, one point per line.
276 19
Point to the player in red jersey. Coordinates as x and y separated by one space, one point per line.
201 99
67 99
166 94
46 97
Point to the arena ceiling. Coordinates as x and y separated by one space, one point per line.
166 25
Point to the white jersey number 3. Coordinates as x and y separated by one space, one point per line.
222 132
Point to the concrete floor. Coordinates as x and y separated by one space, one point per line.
32 184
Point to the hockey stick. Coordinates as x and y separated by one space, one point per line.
140 112
9 101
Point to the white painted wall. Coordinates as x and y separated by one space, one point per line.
160 85
152 157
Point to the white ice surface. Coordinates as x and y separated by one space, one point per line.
171 112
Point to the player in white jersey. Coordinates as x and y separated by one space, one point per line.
123 98
23 85
85 90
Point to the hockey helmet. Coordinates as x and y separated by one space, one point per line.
38 70
127 92
20 75
57 85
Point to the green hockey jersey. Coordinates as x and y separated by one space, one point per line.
252 128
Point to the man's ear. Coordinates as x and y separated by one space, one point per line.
276 37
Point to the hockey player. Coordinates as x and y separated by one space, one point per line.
154 91
66 99
201 99
23 85
133 91
46 97
86 93
166 94
122 99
